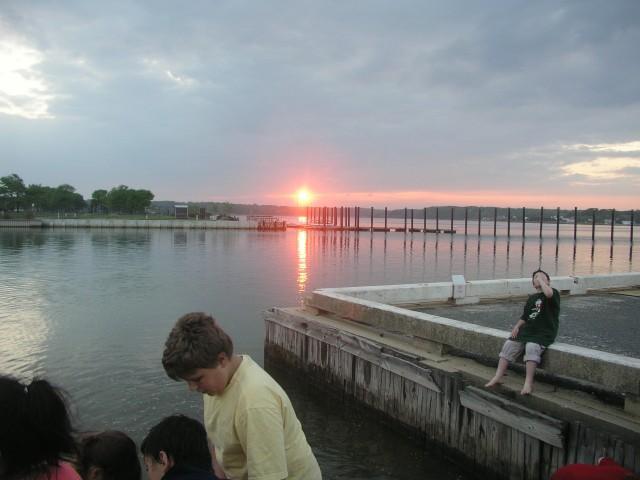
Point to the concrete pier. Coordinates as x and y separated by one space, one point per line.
20 223
166 224
425 374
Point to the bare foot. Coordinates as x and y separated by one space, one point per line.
493 382
526 389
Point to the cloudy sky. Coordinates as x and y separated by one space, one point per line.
397 103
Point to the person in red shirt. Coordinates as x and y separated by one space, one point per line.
605 469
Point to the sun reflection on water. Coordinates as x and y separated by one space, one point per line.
302 260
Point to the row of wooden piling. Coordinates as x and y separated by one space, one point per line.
348 218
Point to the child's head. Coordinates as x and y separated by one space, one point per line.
109 455
36 428
195 342
176 440
536 274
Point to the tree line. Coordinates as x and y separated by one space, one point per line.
15 196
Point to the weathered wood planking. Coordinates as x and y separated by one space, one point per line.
527 421
499 438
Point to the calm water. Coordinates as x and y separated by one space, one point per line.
90 310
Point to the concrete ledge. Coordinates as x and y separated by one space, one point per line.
500 433
585 283
20 223
501 288
611 372
170 224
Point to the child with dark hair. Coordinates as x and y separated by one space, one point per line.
248 416
109 455
177 449
534 332
35 432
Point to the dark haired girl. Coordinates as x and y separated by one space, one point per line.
109 455
35 432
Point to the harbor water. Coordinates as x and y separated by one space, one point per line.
90 309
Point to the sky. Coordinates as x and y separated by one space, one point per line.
371 103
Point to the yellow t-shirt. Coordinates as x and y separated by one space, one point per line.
255 431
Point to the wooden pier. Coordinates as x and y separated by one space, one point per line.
351 219
364 229
425 374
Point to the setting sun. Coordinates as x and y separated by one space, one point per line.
304 197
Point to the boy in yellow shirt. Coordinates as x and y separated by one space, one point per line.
248 416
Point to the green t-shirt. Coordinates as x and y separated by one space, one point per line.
541 315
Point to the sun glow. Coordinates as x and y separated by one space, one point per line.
303 196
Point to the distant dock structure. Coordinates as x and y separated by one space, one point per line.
532 220
342 219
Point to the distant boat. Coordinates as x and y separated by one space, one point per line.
227 217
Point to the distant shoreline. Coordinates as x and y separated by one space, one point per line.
122 223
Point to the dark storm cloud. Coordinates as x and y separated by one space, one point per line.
182 97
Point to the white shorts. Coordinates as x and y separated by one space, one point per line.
511 350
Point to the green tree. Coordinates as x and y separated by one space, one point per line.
37 197
65 198
12 192
99 199
117 199
123 199
139 200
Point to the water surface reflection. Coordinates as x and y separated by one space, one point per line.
91 308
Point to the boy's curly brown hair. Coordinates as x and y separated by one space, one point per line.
195 342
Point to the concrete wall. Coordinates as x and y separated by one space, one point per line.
438 400
169 224
370 306
20 223
478 289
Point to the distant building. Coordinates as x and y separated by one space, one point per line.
181 211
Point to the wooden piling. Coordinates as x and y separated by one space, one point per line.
495 220
466 217
424 219
372 219
575 223
405 219
437 219
613 221
593 225
479 219
508 222
452 212
631 234
523 220
557 224
335 216
541 219
385 218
